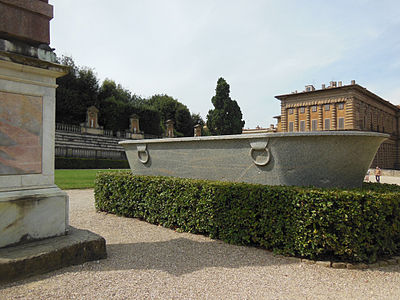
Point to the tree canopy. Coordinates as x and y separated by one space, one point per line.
80 89
226 117
172 109
75 93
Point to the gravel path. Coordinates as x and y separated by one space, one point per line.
151 262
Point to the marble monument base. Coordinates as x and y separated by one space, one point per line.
32 214
38 257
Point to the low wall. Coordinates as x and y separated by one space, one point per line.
62 151
386 172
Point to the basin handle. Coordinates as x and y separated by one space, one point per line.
143 149
259 146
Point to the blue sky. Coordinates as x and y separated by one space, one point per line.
261 48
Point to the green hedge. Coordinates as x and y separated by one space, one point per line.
381 187
356 225
87 163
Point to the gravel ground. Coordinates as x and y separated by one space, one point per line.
151 262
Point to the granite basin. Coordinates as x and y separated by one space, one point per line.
321 159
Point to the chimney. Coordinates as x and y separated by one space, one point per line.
309 88
332 84
323 86
339 83
353 82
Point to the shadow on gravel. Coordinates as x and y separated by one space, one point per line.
181 256
176 256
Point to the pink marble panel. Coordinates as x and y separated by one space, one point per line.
21 123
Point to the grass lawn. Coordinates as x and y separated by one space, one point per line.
77 179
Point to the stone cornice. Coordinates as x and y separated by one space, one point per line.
38 7
312 102
330 93
31 65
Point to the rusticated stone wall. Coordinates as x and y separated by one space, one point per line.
349 107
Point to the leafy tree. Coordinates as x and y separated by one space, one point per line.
114 106
183 121
110 88
226 117
114 114
76 92
149 119
165 104
170 108
197 119
80 89
88 86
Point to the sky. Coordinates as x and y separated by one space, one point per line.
261 48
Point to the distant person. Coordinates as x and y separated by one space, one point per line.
378 173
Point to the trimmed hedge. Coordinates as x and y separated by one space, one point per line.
354 225
89 163
381 187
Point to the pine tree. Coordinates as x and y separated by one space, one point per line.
226 117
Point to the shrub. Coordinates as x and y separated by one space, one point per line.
381 187
89 163
354 225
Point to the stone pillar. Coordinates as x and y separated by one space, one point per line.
283 117
308 119
334 118
31 206
197 130
320 117
27 118
397 141
349 119
170 129
296 119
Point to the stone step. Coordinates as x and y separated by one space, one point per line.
43 256
88 145
87 136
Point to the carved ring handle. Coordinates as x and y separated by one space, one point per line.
259 146
143 149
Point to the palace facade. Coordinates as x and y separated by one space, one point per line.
343 107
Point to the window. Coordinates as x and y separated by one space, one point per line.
302 125
327 124
290 126
302 110
290 111
341 106
314 125
327 107
341 123
314 108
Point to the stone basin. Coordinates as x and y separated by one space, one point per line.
321 159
